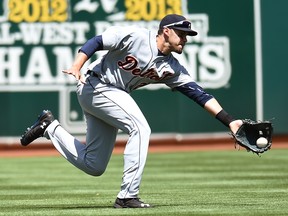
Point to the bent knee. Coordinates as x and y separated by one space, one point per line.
94 169
148 130
95 172
144 131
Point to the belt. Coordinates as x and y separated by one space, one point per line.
92 73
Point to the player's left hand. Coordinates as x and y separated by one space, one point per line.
77 74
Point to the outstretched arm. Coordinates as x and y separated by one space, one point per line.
208 102
213 107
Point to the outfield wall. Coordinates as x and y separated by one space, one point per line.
238 56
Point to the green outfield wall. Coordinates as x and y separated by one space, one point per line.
239 56
275 63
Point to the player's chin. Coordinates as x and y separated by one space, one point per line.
179 49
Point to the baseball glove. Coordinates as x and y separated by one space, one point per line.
250 131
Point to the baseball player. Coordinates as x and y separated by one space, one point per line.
136 57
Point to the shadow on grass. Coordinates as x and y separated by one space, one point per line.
78 207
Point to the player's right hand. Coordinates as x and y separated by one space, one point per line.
77 74
235 125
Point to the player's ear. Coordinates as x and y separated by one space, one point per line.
166 32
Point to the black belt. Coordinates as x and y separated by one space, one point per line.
92 73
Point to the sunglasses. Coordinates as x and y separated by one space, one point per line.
184 23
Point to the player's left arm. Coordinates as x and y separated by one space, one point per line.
209 103
85 52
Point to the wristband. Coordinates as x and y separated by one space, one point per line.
224 117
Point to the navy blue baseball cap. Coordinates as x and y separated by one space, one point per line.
178 22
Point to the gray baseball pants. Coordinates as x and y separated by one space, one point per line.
106 109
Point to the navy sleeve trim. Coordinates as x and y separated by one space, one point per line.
195 92
92 45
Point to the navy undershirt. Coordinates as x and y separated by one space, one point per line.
92 45
195 92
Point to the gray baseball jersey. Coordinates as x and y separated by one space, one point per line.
133 60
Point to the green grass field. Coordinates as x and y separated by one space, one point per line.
190 183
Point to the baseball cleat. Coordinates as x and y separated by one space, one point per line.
38 128
130 203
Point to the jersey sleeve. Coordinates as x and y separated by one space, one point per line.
113 37
180 76
183 82
93 45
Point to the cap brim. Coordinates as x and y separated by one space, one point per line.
190 32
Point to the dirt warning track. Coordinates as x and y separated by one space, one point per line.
159 146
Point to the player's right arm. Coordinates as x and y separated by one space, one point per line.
209 103
213 107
